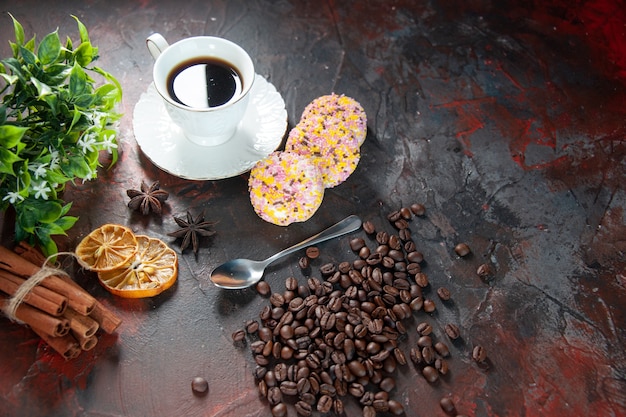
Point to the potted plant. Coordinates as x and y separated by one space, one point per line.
55 119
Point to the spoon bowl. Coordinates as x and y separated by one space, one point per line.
242 273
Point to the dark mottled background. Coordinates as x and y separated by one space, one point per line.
507 119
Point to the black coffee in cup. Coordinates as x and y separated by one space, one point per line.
204 82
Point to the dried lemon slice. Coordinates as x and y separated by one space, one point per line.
152 270
107 247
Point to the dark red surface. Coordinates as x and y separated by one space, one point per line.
506 119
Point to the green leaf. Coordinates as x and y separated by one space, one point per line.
78 81
33 211
19 31
66 223
42 89
7 159
47 245
11 135
49 48
84 35
29 57
10 79
84 54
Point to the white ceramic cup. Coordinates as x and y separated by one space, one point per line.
206 126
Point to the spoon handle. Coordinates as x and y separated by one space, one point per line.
347 225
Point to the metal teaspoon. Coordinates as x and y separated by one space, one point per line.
242 273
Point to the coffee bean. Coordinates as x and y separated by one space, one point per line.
406 213
279 410
199 386
428 354
430 374
387 384
252 326
369 411
441 365
382 237
452 330
304 409
424 341
416 356
277 300
263 288
312 252
462 249
328 269
324 404
289 388
484 271
303 262
479 354
356 244
424 328
239 336
394 216
443 293
404 235
274 396
429 306
442 349
447 405
395 408
418 209
368 227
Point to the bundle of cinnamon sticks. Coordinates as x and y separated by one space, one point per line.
62 313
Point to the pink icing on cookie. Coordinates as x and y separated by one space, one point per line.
285 187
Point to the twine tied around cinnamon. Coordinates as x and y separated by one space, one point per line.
10 308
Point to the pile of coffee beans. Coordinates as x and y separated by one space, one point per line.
338 336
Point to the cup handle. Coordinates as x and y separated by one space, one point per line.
156 44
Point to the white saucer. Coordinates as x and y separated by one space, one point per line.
260 133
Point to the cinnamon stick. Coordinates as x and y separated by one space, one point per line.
77 298
83 325
36 319
108 321
66 346
42 298
85 342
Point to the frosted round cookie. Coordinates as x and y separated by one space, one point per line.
335 157
344 112
285 187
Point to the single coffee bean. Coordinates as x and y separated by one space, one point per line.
368 227
447 405
239 336
277 299
418 209
328 269
312 252
406 213
382 237
484 271
369 411
462 249
479 354
416 356
441 365
324 404
452 330
394 216
417 303
263 288
428 354
404 235
443 293
421 279
430 373
424 341
424 328
279 410
395 408
356 244
252 326
303 262
429 306
304 409
199 386
387 384
401 224
442 349
289 388
274 396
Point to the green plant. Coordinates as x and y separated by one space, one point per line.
54 121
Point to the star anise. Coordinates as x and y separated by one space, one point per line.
147 198
191 229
